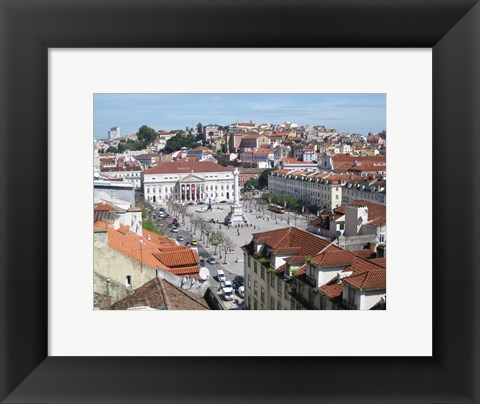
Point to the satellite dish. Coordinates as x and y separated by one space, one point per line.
204 273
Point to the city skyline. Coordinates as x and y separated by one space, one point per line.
355 113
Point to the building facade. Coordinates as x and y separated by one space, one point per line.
291 269
188 182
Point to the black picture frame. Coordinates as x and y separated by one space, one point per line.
450 28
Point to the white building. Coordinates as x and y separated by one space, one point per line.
188 181
260 157
312 188
132 174
114 133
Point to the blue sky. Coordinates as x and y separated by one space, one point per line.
359 113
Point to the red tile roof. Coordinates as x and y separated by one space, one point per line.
333 290
333 257
150 250
179 258
365 253
380 261
102 206
123 229
375 279
179 167
99 224
300 241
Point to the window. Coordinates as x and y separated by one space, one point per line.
351 297
249 303
272 281
285 292
249 282
322 304
255 288
255 305
262 272
249 261
279 285
342 226
128 281
279 307
262 295
382 238
255 267
272 303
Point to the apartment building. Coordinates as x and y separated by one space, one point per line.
291 269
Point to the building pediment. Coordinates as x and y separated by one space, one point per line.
191 178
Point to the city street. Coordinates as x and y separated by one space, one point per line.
260 219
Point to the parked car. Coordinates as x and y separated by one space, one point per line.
174 230
180 238
187 244
227 294
212 220
228 291
221 275
238 281
241 291
194 241
211 260
202 261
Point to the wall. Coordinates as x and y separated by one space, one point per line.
112 264
355 243
112 288
369 298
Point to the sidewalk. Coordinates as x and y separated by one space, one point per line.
241 236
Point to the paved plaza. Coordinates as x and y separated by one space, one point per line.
260 219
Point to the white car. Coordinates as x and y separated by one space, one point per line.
241 291
228 291
221 275
174 230
211 260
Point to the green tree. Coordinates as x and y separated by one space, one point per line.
147 134
112 149
263 179
199 127
121 148
252 183
177 142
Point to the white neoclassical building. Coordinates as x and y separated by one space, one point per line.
188 181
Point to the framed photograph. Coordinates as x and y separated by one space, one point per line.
62 60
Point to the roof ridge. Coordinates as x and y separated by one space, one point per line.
186 294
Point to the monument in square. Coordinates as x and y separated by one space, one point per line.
236 216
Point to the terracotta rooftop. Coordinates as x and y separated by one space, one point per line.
300 241
179 258
374 279
186 167
380 261
102 206
146 156
333 290
150 250
333 257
